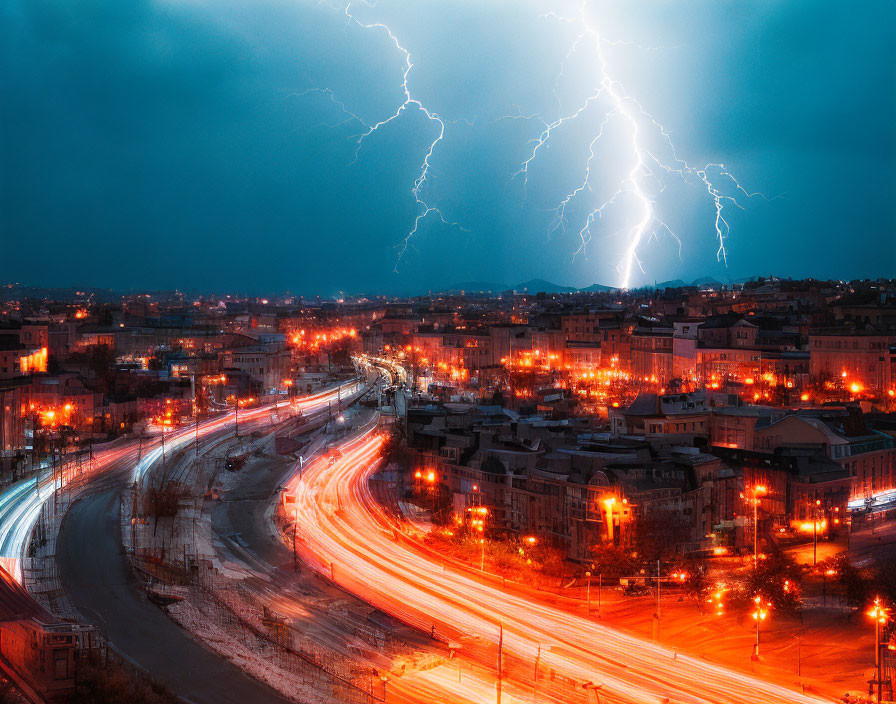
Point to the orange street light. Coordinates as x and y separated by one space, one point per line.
760 613
881 615
756 491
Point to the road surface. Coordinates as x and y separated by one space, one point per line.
97 577
99 582
344 525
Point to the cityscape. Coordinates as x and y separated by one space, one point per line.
684 494
277 425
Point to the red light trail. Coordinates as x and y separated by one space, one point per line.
347 534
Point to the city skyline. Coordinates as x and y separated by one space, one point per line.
447 352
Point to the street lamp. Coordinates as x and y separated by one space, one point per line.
881 615
760 613
755 493
815 532
588 591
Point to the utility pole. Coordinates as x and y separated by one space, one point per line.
815 533
588 591
53 459
535 674
877 660
501 664
656 616
755 534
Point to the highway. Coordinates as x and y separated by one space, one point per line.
21 503
97 577
343 526
100 584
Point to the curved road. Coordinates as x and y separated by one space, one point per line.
99 582
97 577
344 525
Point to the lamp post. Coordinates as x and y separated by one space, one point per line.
815 532
880 615
588 591
760 613
295 528
755 493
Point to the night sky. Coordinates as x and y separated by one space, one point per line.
173 144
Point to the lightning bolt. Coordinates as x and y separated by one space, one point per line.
424 177
644 175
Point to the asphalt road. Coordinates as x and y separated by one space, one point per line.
99 582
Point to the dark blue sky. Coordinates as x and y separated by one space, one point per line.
161 144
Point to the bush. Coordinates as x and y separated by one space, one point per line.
853 585
117 684
777 579
613 562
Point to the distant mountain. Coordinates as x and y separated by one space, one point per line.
542 286
475 286
597 288
531 286
674 283
706 281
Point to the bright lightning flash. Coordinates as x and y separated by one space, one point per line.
643 176
424 176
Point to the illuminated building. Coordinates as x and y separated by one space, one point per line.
14 402
862 360
17 359
651 353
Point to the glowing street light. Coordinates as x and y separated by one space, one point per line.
760 613
755 493
816 506
881 615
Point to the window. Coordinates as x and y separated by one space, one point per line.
60 665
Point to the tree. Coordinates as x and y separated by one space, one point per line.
658 534
852 584
498 398
884 579
696 579
395 450
777 578
612 561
